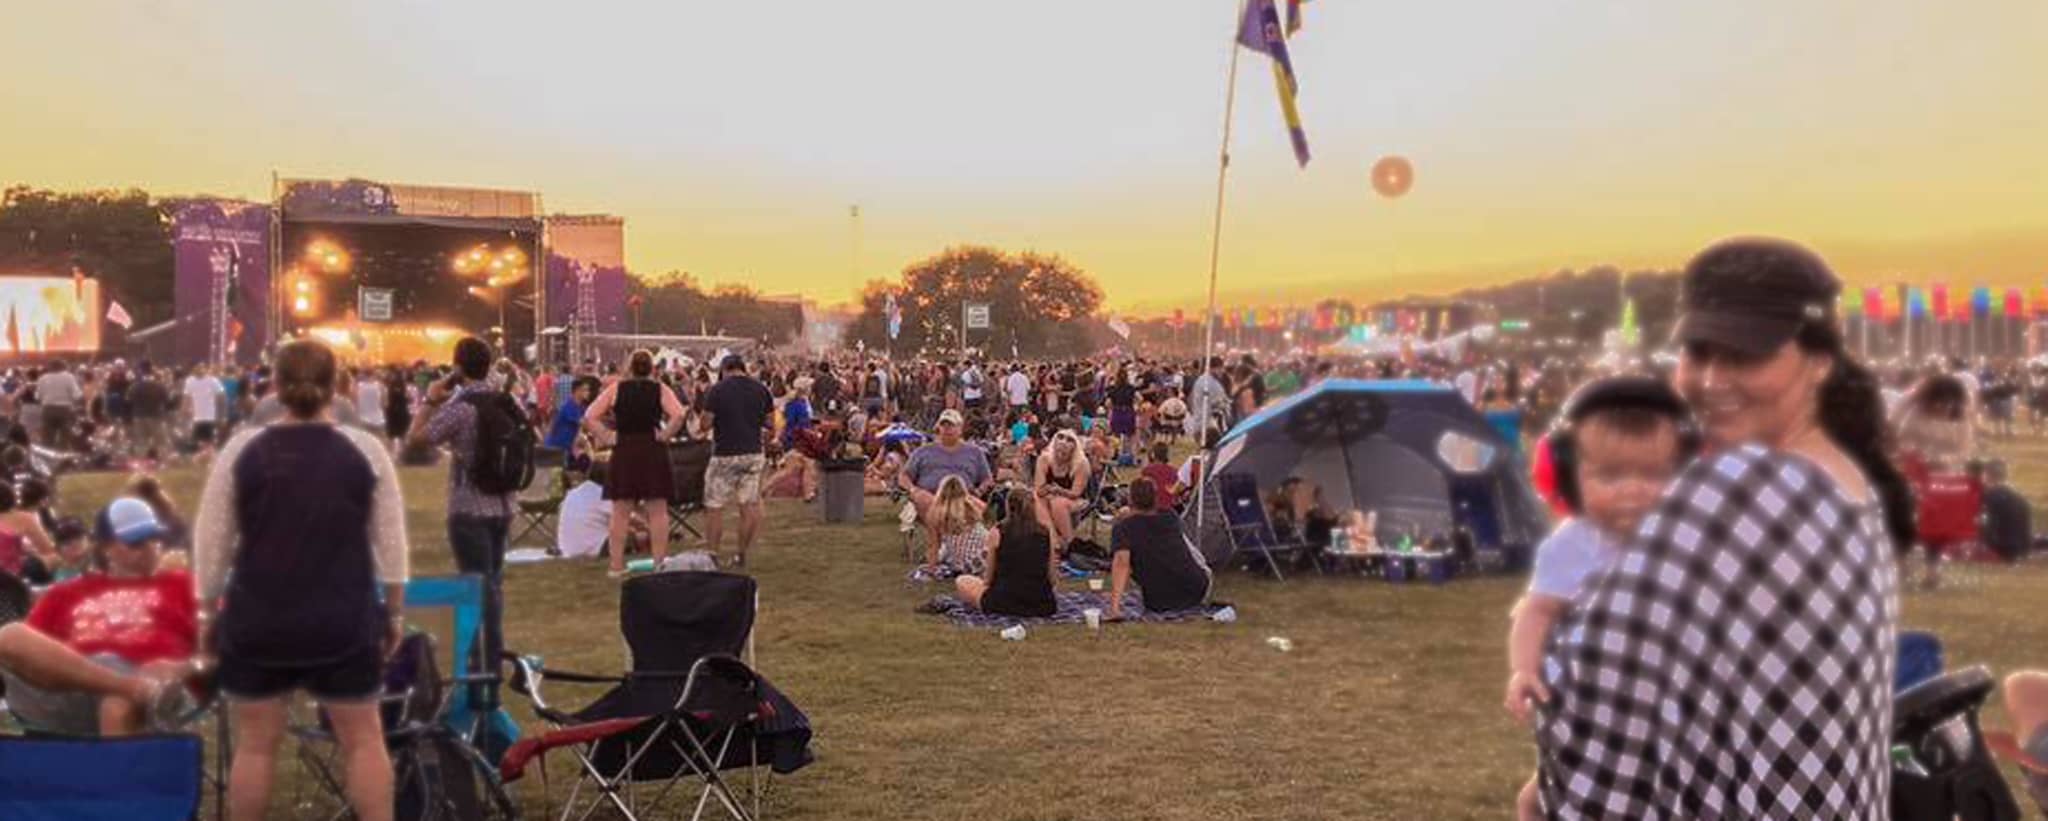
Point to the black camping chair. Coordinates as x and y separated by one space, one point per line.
688 459
1950 773
688 709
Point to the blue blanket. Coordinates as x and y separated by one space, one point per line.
1071 603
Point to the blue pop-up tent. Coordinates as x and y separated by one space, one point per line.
1414 452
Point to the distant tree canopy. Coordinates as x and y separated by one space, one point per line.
1039 305
674 303
122 238
1582 304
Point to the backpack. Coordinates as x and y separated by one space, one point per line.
503 459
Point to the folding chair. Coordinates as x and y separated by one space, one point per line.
136 778
537 513
439 774
1244 520
687 462
689 708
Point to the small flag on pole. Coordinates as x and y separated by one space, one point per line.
893 311
1260 32
119 315
1120 327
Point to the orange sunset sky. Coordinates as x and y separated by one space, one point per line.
1905 139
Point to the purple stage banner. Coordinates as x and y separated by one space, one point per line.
226 239
592 248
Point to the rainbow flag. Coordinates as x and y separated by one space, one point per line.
1260 31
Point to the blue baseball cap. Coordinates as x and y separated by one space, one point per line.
128 520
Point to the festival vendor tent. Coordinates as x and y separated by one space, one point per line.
1413 451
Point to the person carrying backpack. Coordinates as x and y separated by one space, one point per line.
490 445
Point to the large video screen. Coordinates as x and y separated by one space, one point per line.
46 314
327 263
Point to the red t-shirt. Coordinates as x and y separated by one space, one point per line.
1948 503
140 620
1164 476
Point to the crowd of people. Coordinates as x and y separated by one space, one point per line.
1668 629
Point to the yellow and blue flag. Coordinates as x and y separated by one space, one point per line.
1260 32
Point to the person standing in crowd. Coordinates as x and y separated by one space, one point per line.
369 400
972 381
300 523
1017 390
60 394
1704 676
1211 401
149 405
397 407
479 521
205 400
567 424
645 415
740 408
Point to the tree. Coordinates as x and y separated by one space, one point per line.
123 238
1037 304
675 304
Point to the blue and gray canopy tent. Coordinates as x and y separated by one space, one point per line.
1415 452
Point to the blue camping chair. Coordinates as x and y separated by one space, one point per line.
490 728
137 778
1244 519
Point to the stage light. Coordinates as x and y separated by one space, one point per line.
302 306
303 286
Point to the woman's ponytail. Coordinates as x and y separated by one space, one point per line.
1852 412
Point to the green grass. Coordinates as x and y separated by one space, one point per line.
1388 707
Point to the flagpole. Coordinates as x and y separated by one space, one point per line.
1202 410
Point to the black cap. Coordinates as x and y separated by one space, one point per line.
733 362
1753 294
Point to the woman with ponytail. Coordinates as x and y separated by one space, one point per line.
301 523
1737 662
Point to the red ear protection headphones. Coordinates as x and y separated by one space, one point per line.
1612 393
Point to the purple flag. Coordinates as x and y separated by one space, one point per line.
1260 31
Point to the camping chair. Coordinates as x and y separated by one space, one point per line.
537 513
1244 519
687 462
688 709
136 778
438 773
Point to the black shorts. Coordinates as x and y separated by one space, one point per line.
356 677
203 432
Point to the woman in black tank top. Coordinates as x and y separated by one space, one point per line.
645 414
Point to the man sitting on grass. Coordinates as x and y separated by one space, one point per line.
949 456
1147 545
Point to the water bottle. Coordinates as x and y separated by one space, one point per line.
640 566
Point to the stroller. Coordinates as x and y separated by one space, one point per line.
689 709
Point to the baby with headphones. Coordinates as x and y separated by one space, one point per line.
1619 442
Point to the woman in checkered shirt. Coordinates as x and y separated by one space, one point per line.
1737 661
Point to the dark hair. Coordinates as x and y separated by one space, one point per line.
1144 495
1944 391
33 492
1018 515
7 500
473 357
1852 413
641 363
1160 453
305 377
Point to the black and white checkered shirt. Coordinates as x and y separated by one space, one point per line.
1736 662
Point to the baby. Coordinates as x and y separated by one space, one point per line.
1620 442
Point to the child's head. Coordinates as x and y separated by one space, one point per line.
1625 440
1160 455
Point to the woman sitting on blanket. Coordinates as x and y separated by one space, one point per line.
1020 568
963 541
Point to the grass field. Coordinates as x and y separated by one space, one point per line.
1388 706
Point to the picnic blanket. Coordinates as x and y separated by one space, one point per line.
1071 603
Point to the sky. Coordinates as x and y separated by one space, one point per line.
1903 139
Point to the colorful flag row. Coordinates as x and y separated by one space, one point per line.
1888 303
